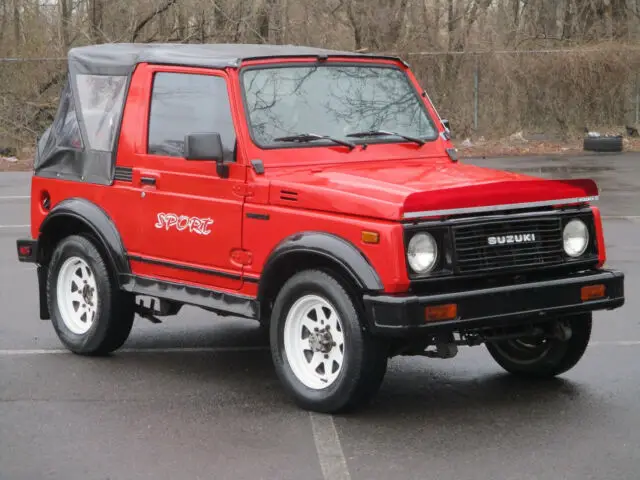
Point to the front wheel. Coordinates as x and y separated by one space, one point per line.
321 352
544 357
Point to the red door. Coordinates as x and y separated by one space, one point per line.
189 220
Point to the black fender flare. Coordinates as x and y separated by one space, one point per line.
332 247
97 222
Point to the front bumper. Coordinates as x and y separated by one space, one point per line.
507 305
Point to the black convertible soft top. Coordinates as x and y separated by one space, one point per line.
121 58
80 144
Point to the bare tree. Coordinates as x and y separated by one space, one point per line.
552 91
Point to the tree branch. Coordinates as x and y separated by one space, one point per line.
143 23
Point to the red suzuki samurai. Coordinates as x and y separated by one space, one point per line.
315 191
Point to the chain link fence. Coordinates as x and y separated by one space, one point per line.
492 94
549 92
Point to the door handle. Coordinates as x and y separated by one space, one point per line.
148 180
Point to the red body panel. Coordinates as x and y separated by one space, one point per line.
191 217
387 257
386 190
336 191
115 200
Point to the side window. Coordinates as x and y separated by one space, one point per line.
66 128
183 103
101 101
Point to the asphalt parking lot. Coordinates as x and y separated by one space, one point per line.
196 397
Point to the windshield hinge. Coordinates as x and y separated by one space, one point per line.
453 154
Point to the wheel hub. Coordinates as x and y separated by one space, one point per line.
321 340
87 294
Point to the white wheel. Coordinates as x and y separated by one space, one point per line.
314 341
77 295
322 354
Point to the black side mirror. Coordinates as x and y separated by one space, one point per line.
445 124
206 146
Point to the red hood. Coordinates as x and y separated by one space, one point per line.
409 189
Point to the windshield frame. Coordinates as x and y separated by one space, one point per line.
328 143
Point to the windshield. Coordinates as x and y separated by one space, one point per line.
333 101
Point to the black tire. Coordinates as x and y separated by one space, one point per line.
603 144
533 358
365 357
116 309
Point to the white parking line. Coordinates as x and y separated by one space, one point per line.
330 454
15 197
6 227
61 351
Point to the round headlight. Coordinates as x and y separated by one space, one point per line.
422 253
575 238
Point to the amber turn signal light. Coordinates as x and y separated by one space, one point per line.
370 237
592 291
441 312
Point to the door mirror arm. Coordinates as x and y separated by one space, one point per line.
222 169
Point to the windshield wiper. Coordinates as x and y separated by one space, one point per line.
383 133
310 137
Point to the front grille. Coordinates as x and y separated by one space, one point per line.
543 247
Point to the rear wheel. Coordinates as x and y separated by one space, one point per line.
90 314
543 356
322 354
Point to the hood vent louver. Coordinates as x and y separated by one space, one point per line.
289 195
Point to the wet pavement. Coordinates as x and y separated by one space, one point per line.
196 397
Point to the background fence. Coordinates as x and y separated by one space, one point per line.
557 92
493 94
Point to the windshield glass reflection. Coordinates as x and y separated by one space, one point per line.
334 101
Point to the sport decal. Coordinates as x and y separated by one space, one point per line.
196 225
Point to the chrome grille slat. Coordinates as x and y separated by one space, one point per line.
544 246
